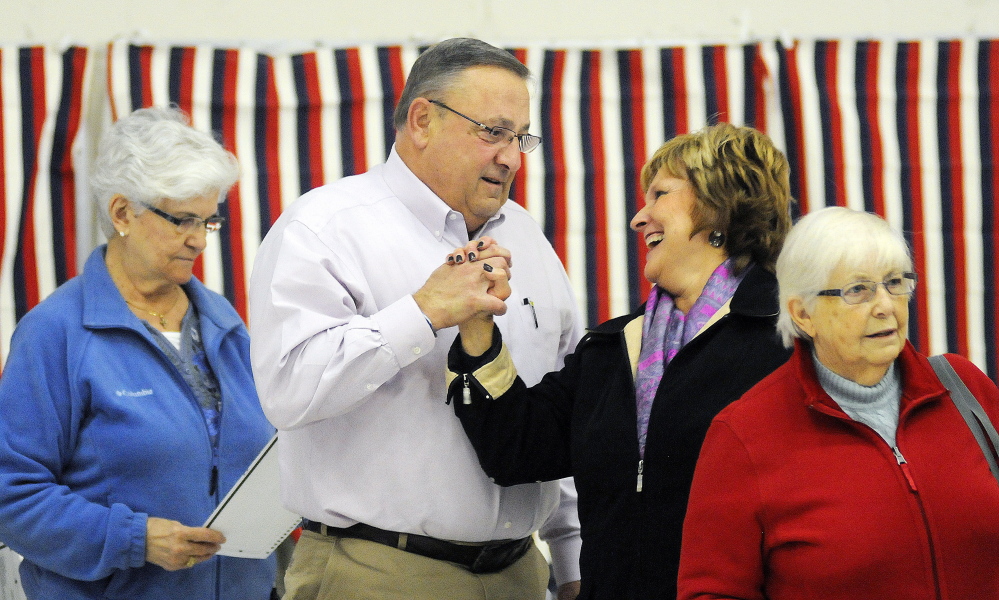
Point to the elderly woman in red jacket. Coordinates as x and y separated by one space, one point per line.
847 473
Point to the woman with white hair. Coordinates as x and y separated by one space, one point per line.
848 472
128 402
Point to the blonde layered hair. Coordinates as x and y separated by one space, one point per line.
742 185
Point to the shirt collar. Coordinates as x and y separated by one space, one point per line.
104 306
439 218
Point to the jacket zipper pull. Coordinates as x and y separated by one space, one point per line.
466 392
905 468
213 485
641 468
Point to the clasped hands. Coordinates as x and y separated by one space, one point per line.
467 290
491 256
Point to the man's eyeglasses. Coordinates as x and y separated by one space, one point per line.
188 225
858 292
497 134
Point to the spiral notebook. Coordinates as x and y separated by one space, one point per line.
251 516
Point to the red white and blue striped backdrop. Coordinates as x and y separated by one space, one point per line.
42 91
903 129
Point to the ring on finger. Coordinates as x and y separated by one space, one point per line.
191 562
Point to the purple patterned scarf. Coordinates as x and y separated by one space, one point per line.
666 330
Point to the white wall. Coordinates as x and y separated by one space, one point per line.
498 21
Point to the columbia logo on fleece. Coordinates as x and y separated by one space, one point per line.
135 394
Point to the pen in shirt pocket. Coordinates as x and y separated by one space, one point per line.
534 313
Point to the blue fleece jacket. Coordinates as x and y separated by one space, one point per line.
99 430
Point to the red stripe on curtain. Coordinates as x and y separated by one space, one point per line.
796 154
108 80
639 154
831 89
871 100
954 163
992 281
560 227
35 122
185 93
356 110
146 60
909 112
759 82
395 68
519 186
679 92
719 73
397 77
272 145
314 102
598 187
235 213
66 166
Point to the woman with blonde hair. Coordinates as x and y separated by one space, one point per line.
627 414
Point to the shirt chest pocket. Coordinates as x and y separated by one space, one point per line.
536 336
546 320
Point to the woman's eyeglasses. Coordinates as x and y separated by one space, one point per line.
186 225
858 292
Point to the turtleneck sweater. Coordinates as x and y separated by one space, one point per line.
875 406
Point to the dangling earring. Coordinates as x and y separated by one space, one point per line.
716 239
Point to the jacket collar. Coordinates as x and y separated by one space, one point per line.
104 306
755 297
920 384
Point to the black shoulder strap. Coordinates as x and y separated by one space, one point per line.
970 409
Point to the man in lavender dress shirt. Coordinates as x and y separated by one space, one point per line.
352 315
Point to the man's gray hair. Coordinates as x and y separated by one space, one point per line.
435 70
825 240
153 154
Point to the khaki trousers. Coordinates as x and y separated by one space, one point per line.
334 568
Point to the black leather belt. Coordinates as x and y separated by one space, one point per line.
485 558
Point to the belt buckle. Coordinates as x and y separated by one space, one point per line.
498 557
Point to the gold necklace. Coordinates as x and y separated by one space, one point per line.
160 316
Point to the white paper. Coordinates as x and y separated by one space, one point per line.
251 516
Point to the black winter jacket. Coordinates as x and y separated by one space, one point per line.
581 421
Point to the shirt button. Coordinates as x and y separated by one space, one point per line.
437 233
370 387
416 350
507 525
452 217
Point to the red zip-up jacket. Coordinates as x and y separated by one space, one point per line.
794 500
